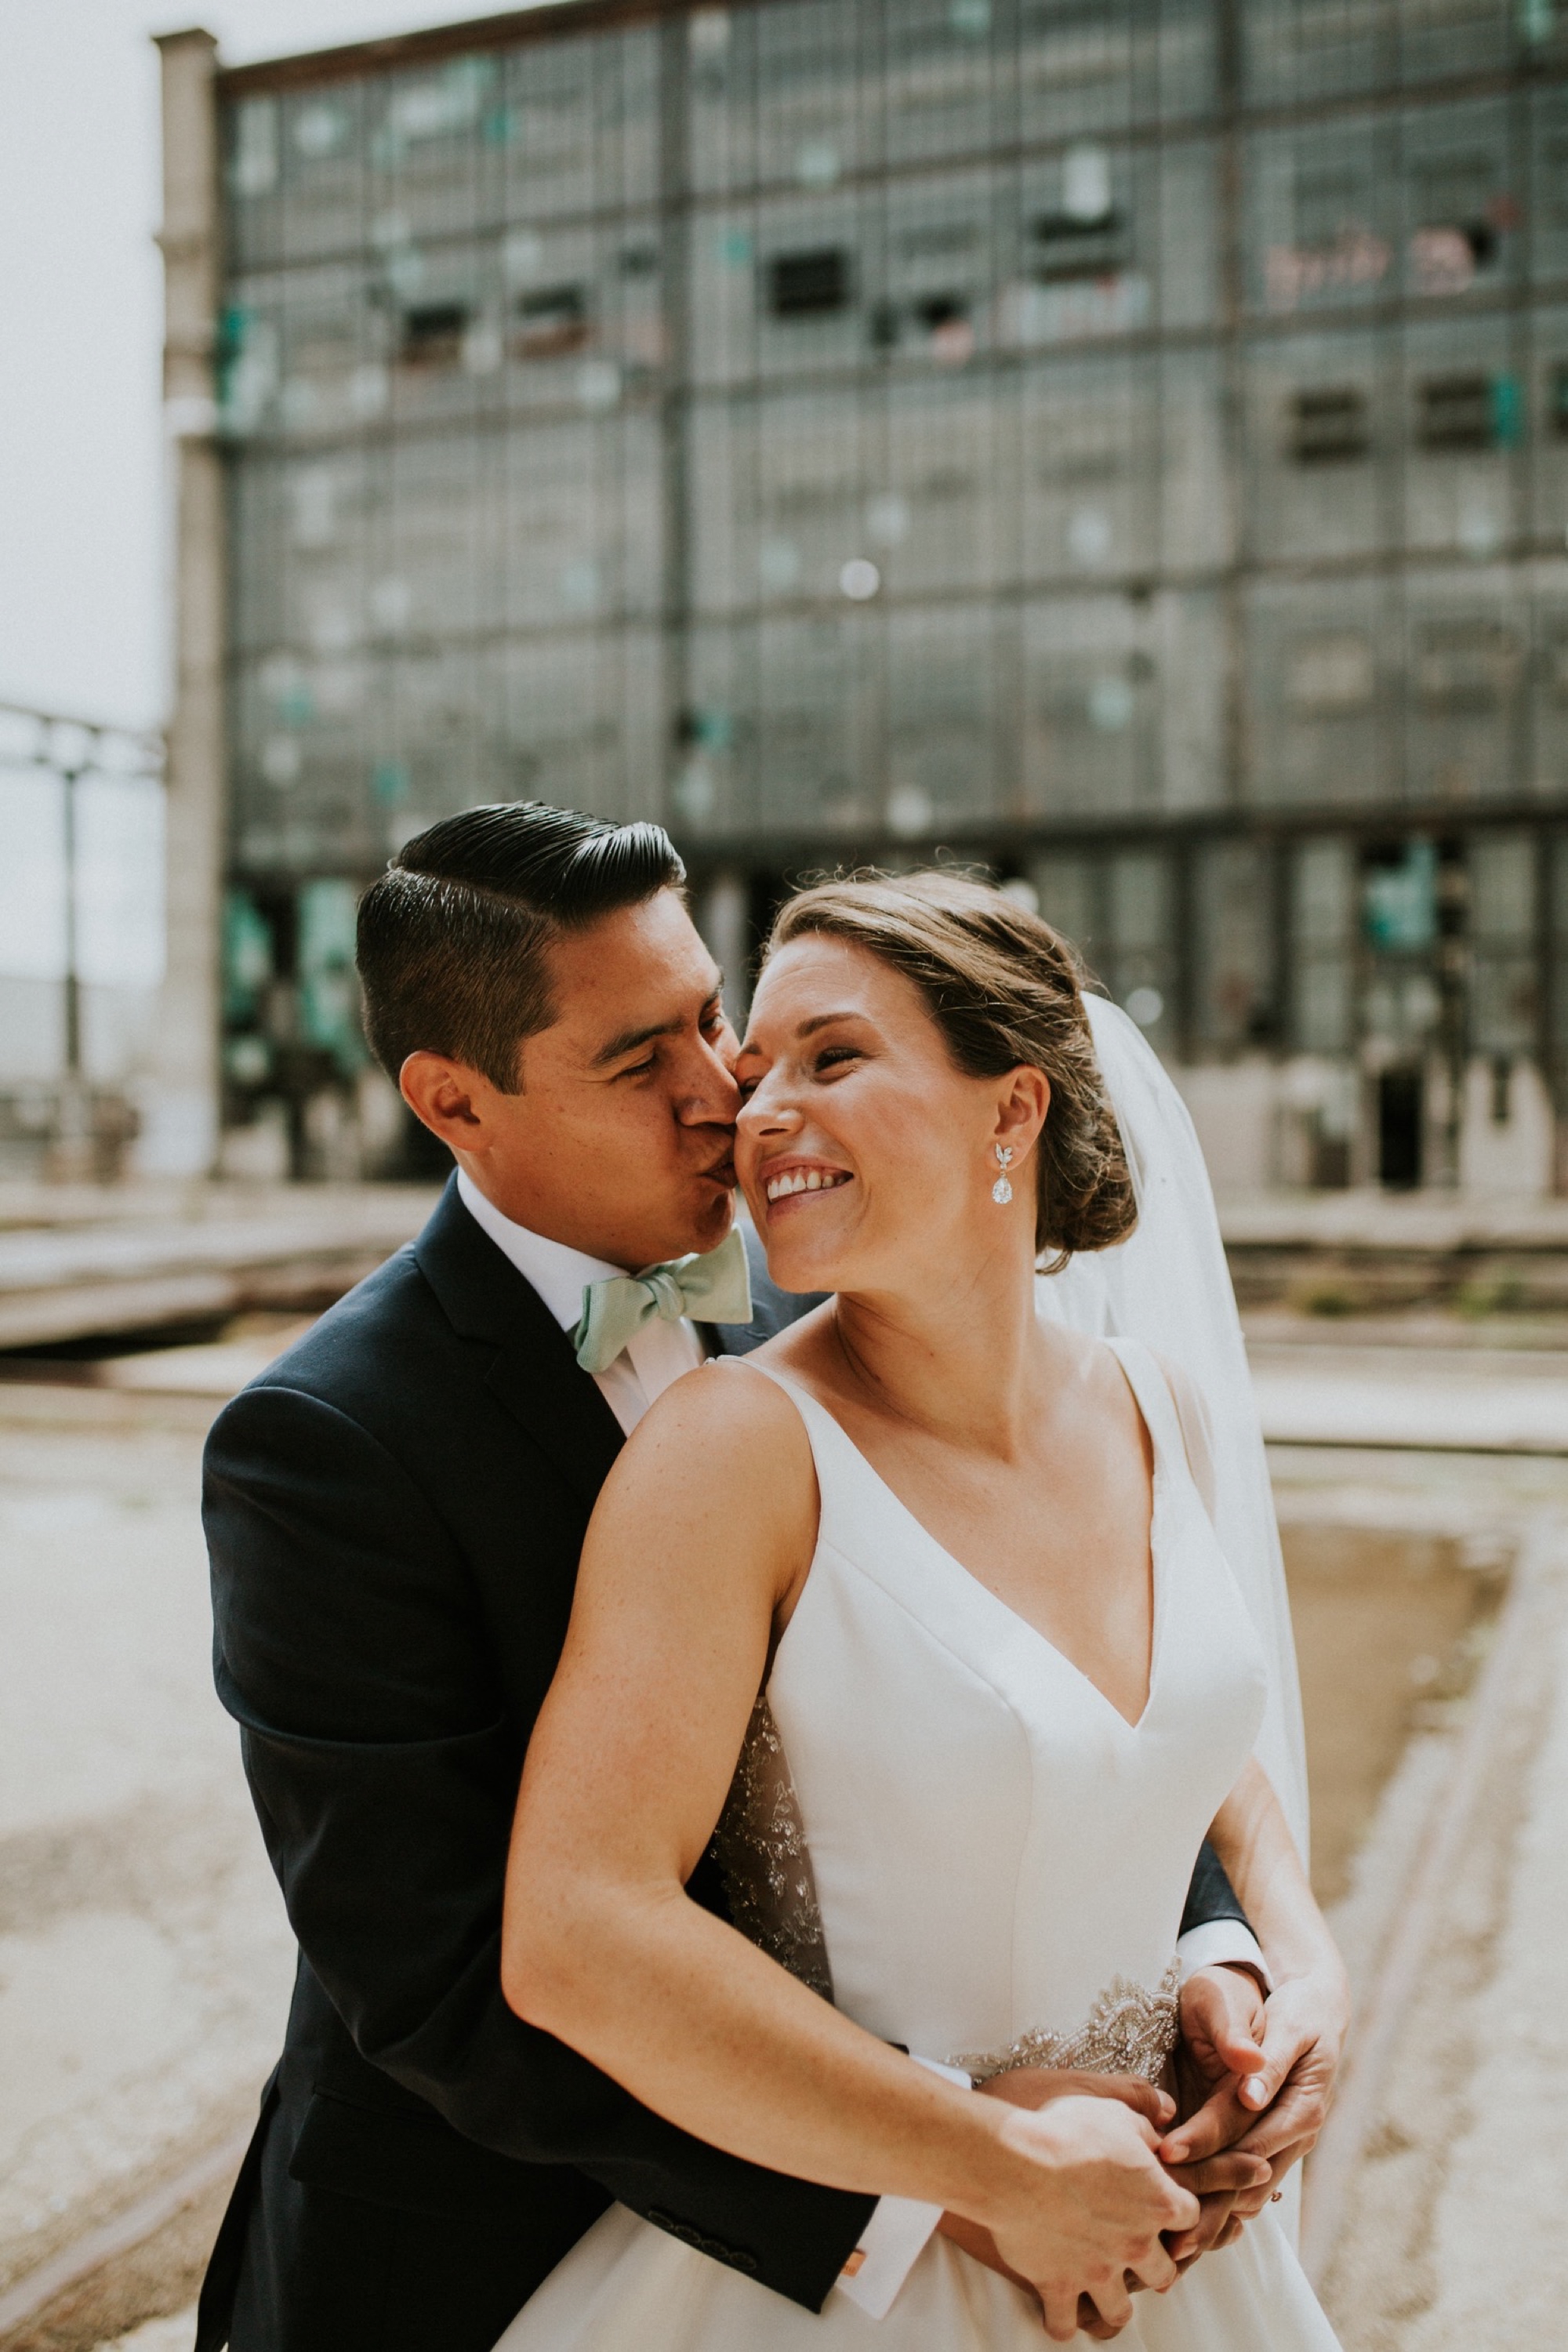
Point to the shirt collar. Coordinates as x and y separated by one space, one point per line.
557 1273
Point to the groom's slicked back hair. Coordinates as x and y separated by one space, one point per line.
455 938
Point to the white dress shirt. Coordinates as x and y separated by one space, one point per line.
900 2227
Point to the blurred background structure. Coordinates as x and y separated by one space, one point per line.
81 938
1124 442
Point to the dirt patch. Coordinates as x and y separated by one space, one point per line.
1390 1628
158 2277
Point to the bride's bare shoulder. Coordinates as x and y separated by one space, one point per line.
727 1420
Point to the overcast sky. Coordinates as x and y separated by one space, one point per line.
83 624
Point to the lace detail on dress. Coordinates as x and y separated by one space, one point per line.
760 1847
1129 2031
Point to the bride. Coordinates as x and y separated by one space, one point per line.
966 1550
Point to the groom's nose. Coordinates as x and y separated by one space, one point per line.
705 1091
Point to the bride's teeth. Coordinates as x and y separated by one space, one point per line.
813 1183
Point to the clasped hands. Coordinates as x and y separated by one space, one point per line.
1250 2085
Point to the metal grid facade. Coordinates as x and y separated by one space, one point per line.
1124 439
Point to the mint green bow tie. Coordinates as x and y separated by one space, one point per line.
714 1288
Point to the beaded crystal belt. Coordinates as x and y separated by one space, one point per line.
1129 2031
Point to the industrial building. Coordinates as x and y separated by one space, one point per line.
1123 442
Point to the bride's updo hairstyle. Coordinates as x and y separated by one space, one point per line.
1005 988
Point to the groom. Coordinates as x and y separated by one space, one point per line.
393 1513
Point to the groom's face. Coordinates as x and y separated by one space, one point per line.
620 1141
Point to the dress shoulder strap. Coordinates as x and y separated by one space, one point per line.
1173 1409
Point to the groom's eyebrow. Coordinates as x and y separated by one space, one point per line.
628 1039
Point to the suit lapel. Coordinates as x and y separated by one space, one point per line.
535 1376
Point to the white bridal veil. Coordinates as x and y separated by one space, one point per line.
1169 1286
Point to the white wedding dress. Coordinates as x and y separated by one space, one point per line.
998 1853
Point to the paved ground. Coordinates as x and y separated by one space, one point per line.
144 1959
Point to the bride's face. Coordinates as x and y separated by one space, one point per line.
861 1147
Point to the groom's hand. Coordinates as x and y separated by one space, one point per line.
1257 2076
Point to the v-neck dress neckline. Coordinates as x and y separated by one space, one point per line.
810 1407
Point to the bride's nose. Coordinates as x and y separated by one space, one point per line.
766 1111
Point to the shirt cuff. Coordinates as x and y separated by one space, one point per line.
1218 1941
894 2239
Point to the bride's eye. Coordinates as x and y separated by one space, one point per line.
838 1056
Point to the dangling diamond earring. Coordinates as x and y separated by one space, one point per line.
1002 1191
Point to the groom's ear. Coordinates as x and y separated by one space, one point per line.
447 1096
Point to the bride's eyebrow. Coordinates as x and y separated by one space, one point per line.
825 1021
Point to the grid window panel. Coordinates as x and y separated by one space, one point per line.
1140 963
1465 426
817 718
948 245
1503 922
1464 200
720 94
579 523
573 317
1466 668
1319 216
575 125
1322 933
252 148
1548 200
1090 467
781 289
1322 437
305 735
1233 905
1185 637
815 92
721 490
713 785
1298 50
810 474
943 719
935 521
323 170
1547 772
946 90
1189 234
302 353
580 722
424 138
1090 247
1197 521
1443 38
1108 65
1321 706
1067 887
1092 742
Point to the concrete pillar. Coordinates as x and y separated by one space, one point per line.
180 1099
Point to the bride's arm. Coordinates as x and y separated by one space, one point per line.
702 1538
